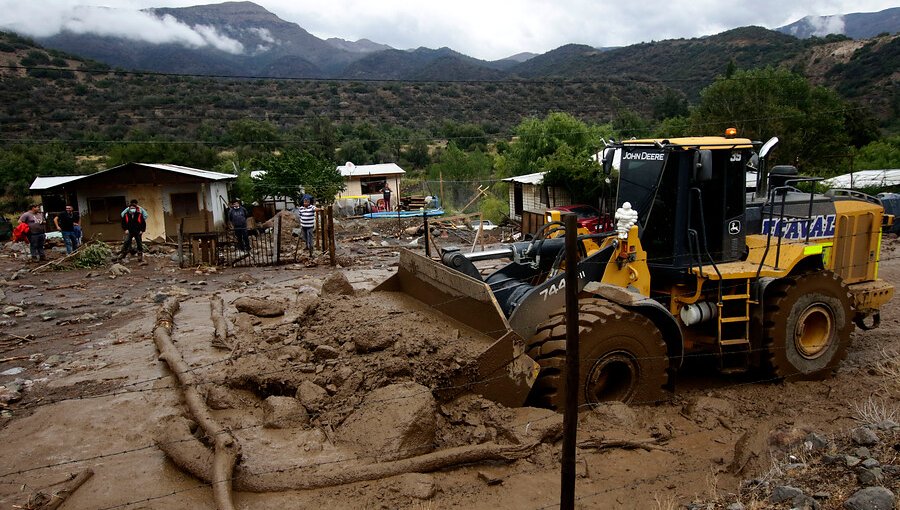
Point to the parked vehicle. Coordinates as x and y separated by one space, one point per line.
588 217
485 225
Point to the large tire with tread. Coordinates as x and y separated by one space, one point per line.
807 323
623 357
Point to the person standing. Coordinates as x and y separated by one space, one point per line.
237 216
134 203
66 222
134 224
306 213
386 194
34 218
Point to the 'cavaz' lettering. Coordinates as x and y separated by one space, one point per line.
819 227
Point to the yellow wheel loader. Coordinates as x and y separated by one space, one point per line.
772 280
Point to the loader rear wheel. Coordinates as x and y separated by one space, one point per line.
623 357
807 323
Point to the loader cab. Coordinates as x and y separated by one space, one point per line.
690 198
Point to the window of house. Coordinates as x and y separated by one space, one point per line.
372 185
106 209
517 199
185 204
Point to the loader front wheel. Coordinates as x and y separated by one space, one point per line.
623 357
807 324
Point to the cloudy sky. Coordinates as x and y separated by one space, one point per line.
488 29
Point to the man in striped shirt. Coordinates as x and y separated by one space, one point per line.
306 213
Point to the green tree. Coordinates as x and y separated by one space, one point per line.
20 164
293 173
762 103
670 104
417 153
879 155
192 155
323 138
578 174
538 139
250 139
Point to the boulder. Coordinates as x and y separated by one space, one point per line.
416 485
259 307
616 414
784 493
219 398
311 395
336 284
530 424
863 436
283 413
871 498
326 352
118 270
366 343
394 422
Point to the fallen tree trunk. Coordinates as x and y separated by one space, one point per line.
625 444
226 447
220 333
188 453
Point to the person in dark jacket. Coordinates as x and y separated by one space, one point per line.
237 216
66 222
134 224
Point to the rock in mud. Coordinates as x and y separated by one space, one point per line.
863 437
326 352
416 485
871 498
336 284
708 411
311 395
373 343
616 414
259 307
219 398
118 270
530 424
283 413
9 394
394 422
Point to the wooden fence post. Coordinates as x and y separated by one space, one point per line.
331 247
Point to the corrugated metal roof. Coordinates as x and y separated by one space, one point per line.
42 183
186 170
351 170
866 179
535 178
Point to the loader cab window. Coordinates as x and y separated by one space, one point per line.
639 179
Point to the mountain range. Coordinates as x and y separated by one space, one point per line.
272 47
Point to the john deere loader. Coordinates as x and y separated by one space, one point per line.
772 281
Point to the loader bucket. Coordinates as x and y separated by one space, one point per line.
501 371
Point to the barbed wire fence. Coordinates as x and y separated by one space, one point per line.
352 406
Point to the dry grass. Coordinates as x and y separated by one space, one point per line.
874 412
668 503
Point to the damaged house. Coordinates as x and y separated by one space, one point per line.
172 195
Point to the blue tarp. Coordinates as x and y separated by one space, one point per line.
404 214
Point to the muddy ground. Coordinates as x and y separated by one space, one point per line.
85 389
